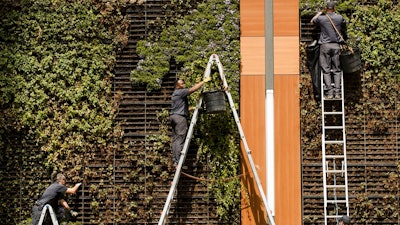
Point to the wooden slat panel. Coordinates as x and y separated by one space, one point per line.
286 55
252 113
252 51
286 18
287 150
252 18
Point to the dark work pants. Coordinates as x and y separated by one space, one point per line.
179 130
330 63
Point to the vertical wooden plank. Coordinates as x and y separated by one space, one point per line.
252 114
286 18
252 18
287 150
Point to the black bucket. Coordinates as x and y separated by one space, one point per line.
350 62
215 101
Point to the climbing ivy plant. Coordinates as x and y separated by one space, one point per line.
372 28
56 105
209 27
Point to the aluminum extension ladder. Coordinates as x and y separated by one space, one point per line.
334 161
213 59
52 215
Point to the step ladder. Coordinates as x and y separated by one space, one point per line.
213 59
52 215
334 161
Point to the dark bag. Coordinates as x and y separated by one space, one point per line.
350 59
314 67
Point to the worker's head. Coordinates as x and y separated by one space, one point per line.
61 178
345 220
179 83
330 6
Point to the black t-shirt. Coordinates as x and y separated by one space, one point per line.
53 194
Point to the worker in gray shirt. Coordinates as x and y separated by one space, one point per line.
54 196
330 23
180 114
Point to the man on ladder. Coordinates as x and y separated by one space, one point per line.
333 33
53 198
213 59
180 114
334 159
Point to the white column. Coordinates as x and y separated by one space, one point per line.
269 103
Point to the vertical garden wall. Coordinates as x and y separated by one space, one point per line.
68 104
372 115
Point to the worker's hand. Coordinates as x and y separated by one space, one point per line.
78 184
73 213
207 79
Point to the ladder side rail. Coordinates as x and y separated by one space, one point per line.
189 134
167 204
220 70
334 190
344 145
324 163
248 154
52 215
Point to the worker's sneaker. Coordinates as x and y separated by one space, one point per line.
337 96
328 96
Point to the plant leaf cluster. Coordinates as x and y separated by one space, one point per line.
57 107
371 97
210 27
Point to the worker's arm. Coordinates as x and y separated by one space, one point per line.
315 17
65 204
198 85
74 189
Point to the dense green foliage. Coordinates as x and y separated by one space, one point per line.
210 27
371 96
57 109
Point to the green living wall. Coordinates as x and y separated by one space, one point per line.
56 105
371 105
58 111
188 40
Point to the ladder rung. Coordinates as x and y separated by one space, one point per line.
336 201
333 113
336 171
334 156
334 216
334 142
333 127
336 186
332 99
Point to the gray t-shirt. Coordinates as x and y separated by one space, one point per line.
53 194
180 102
328 33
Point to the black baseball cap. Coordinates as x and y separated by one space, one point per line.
330 5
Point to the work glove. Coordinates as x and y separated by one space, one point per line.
73 213
207 79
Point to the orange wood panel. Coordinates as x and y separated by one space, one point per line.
286 18
252 51
252 114
252 18
286 55
287 150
